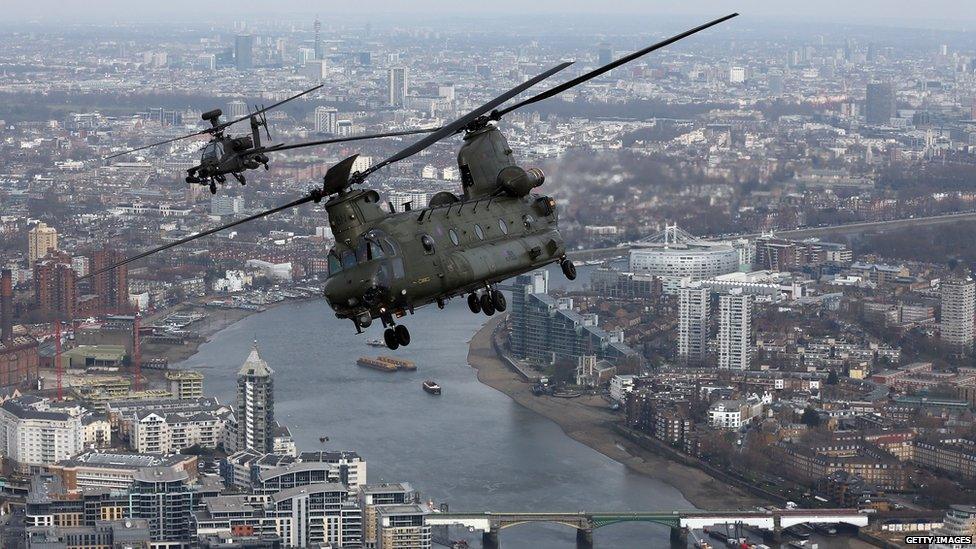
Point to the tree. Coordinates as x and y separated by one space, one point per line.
810 418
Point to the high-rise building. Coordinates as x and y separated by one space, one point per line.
735 330
236 109
40 240
880 103
55 286
693 314
958 308
255 404
318 38
244 52
397 86
316 69
737 75
164 498
604 54
223 204
326 120
112 286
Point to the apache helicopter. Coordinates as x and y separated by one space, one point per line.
386 264
224 154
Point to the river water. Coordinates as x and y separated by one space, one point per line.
472 447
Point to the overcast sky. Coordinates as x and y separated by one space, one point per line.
961 13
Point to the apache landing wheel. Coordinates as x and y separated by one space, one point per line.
402 334
391 340
474 304
213 188
569 269
498 301
487 306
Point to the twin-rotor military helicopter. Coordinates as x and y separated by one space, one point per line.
386 264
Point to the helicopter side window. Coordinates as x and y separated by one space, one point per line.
503 226
479 231
454 237
335 266
374 250
427 242
210 151
348 259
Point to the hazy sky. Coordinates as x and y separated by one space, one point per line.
914 12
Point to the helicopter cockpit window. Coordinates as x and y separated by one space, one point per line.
212 151
348 259
335 266
427 242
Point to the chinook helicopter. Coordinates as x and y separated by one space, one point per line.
226 155
386 264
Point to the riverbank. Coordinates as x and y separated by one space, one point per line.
216 319
588 420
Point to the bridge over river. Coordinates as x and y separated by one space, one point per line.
680 522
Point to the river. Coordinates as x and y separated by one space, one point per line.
472 447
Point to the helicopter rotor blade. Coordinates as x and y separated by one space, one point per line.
460 123
277 148
307 198
268 108
156 144
612 65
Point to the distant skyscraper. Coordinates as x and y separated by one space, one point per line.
236 109
318 38
111 286
255 404
734 331
316 69
693 314
326 120
604 54
244 51
40 240
958 308
880 103
775 80
55 286
397 85
737 75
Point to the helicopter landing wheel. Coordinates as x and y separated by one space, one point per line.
474 304
390 338
498 300
213 188
569 269
221 178
487 306
402 334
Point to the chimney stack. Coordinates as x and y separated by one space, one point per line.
6 306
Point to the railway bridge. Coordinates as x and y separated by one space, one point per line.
680 522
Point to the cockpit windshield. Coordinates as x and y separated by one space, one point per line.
212 151
372 245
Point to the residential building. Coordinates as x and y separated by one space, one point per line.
958 309
735 330
41 240
255 404
32 433
694 309
397 86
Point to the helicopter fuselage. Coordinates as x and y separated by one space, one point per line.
386 264
414 258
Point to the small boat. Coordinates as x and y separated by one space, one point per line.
432 387
375 343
